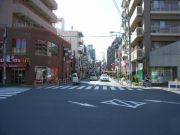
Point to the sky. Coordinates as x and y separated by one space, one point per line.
94 18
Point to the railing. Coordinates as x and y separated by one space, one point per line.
137 11
137 54
166 29
165 7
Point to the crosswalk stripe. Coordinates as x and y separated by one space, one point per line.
3 97
57 87
112 88
96 88
104 87
89 87
73 87
139 89
50 87
65 87
121 88
81 87
129 89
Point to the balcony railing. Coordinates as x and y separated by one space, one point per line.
166 29
137 12
165 7
137 55
136 34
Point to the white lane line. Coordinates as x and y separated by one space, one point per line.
112 88
129 89
57 87
89 87
121 88
3 97
104 87
6 95
65 87
50 87
81 87
96 88
96 83
9 92
73 87
139 89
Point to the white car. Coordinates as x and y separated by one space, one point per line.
104 77
93 77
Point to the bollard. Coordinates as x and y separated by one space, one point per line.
34 83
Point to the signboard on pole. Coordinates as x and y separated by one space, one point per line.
140 72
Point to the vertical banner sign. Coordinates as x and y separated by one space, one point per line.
140 72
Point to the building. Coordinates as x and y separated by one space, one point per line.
92 53
154 27
110 57
33 41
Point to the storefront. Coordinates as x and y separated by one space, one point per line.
161 75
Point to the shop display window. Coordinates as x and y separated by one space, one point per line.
41 47
161 75
53 50
1 46
19 46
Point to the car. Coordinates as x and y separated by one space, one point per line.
75 79
104 77
93 77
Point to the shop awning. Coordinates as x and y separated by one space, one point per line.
14 65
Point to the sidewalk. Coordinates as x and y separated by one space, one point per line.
165 88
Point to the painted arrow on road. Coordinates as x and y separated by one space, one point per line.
82 104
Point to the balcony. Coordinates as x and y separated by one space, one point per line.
137 55
165 9
124 3
80 41
43 9
79 49
133 4
136 36
30 16
53 5
124 54
136 17
165 31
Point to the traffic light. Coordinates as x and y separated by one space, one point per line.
11 58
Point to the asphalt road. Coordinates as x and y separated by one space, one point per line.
92 108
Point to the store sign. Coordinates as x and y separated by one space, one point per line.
140 72
19 60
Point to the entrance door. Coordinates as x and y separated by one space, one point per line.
1 75
18 75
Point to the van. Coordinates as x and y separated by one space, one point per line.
76 79
93 77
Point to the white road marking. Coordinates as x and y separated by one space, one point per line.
121 88
50 87
129 89
96 83
163 101
65 87
89 87
96 88
81 87
6 95
124 103
104 87
57 87
3 97
83 104
112 88
139 89
73 87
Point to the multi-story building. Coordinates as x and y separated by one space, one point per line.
154 29
110 57
33 41
92 53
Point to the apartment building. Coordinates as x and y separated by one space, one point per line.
155 32
33 41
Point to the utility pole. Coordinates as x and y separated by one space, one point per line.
4 54
62 60
130 66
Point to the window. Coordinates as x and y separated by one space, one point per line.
159 25
1 46
53 50
41 47
19 46
159 3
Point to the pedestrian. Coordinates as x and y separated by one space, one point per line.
146 81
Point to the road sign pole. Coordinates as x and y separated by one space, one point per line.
4 54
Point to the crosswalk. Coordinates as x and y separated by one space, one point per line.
8 92
79 87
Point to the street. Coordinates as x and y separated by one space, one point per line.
91 108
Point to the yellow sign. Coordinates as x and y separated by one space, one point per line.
26 60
